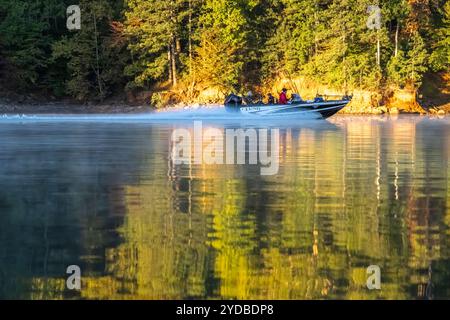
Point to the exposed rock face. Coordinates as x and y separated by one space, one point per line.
439 112
366 102
363 102
210 95
403 100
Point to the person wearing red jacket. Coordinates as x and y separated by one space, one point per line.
283 97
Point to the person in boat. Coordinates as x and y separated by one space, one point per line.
249 98
270 99
283 97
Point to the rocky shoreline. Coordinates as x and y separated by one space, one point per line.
434 99
359 106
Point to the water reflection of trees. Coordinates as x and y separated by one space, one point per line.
61 200
344 199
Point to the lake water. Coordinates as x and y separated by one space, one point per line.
104 194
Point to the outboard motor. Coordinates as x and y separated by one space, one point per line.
233 102
233 99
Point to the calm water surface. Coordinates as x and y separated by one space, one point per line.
351 192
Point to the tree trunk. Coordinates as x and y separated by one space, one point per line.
169 60
378 53
97 69
174 43
396 38
344 63
190 39
315 32
174 63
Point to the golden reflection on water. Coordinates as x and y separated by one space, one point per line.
355 193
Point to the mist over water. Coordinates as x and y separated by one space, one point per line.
216 114
102 192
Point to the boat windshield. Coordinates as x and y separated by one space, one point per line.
296 98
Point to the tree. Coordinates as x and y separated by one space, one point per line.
440 57
94 63
412 49
328 41
154 31
228 44
296 38
232 35
223 37
25 40
395 13
408 67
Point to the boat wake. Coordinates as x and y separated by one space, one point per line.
200 114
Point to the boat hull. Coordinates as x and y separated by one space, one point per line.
317 110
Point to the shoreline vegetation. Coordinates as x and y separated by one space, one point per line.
396 101
363 102
134 56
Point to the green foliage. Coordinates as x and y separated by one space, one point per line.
215 62
410 64
94 63
154 29
321 40
329 41
296 37
440 57
223 38
24 40
229 44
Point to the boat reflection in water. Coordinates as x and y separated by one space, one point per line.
349 194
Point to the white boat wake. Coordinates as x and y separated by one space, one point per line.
206 114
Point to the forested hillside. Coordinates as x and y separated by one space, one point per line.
189 46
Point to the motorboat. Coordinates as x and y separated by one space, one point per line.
321 107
